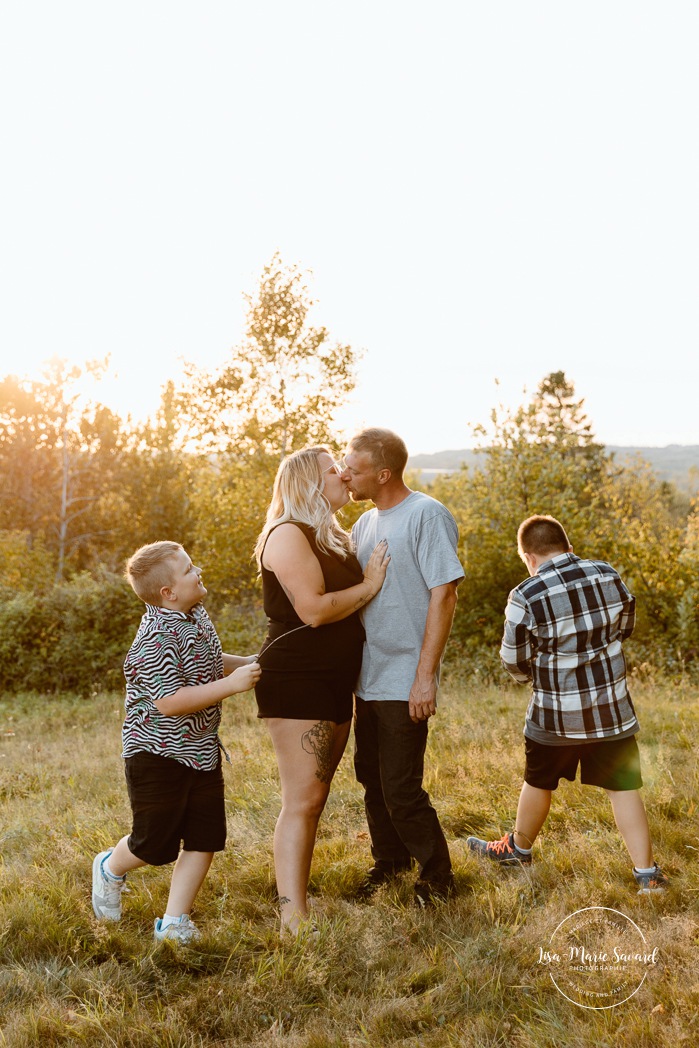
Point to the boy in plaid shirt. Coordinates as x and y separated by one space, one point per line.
564 628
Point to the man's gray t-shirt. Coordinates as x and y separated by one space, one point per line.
422 539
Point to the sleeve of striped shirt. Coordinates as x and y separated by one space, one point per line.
516 648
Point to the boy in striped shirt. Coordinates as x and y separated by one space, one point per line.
176 678
564 628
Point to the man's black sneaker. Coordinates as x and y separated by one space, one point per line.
381 873
427 893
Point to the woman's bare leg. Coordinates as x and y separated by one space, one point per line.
308 753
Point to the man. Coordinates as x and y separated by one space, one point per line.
407 626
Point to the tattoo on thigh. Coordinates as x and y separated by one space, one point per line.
318 740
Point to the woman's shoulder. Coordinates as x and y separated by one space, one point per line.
291 528
289 537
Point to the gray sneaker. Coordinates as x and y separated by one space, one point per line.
181 930
648 883
106 893
503 851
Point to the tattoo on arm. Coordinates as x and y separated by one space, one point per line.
290 595
318 740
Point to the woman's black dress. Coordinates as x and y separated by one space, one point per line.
310 674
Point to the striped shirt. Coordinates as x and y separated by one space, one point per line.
172 650
564 629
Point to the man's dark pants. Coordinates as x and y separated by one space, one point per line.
389 762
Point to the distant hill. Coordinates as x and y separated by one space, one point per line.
678 463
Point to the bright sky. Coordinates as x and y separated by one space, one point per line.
482 190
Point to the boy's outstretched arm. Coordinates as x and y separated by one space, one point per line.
232 662
196 697
516 647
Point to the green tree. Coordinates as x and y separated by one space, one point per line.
543 458
637 529
281 387
688 608
25 565
57 454
27 438
153 497
540 458
278 391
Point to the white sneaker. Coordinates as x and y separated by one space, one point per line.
182 930
106 893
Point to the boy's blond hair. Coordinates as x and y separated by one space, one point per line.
149 569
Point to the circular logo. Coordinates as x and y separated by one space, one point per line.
598 958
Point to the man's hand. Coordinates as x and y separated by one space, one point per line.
422 701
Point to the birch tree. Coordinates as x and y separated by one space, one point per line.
282 386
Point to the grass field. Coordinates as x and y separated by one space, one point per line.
381 972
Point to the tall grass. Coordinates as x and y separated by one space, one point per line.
380 973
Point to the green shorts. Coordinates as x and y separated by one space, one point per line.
613 764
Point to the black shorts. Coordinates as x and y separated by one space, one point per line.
172 804
613 764
310 699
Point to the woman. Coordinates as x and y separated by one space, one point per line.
313 588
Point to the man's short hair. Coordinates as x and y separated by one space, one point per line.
150 568
541 535
384 447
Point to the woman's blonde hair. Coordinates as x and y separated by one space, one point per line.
298 495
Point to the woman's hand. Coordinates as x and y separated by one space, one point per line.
375 571
289 555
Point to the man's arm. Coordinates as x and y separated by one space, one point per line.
516 647
440 615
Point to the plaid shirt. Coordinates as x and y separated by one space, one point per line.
563 632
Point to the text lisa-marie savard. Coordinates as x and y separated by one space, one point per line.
583 956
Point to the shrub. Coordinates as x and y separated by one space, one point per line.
73 638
